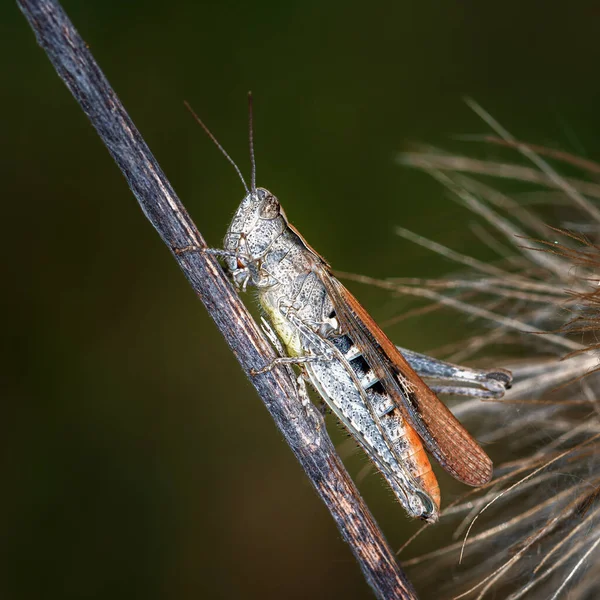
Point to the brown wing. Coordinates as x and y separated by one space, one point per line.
443 435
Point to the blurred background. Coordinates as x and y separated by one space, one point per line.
137 459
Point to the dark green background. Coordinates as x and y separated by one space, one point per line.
136 459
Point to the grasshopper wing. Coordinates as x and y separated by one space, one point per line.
443 435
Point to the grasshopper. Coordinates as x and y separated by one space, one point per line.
342 353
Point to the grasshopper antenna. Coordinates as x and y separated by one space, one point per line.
251 141
214 139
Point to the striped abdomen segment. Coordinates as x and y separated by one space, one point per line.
402 439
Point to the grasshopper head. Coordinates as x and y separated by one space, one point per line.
257 223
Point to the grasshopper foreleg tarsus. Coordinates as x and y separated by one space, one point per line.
190 248
204 250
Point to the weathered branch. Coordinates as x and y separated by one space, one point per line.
309 442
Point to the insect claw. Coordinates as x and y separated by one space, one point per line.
499 378
191 248
256 372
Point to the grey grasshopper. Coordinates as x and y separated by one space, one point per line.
372 387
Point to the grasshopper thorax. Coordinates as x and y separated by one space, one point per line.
256 225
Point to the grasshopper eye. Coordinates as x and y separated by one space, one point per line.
270 208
